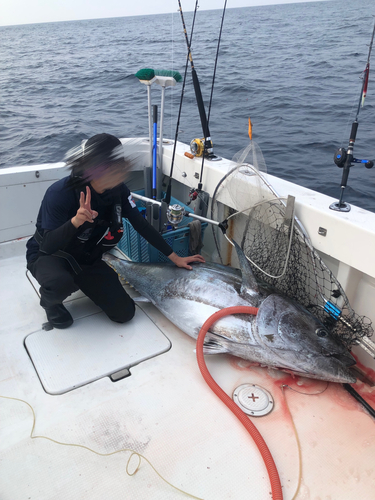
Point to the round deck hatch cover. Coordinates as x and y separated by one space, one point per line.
253 400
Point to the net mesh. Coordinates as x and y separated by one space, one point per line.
278 247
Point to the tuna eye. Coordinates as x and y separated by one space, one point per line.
321 332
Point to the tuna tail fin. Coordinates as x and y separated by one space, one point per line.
249 283
212 345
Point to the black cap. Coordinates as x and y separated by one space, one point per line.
93 157
101 147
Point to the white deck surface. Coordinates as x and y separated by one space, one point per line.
165 411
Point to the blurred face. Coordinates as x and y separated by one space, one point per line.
107 177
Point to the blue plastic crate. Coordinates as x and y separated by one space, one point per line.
136 248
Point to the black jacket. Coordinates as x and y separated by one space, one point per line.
87 243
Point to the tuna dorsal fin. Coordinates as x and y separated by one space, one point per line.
249 283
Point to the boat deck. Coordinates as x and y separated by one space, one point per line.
165 412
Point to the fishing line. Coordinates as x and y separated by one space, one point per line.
212 90
306 393
298 444
132 452
296 433
167 198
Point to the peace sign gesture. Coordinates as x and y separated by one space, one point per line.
84 213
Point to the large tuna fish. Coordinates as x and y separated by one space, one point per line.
282 335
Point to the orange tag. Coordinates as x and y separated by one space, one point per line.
250 130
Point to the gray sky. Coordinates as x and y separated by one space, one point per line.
40 11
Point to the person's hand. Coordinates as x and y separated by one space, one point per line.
84 213
185 261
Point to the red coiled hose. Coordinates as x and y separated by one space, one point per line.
242 417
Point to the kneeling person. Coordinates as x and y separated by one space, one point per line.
80 218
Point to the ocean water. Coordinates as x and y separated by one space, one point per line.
294 69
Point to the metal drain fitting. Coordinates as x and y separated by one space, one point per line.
253 400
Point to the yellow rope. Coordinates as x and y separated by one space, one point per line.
296 433
132 452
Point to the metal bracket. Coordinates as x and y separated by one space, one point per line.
367 345
340 207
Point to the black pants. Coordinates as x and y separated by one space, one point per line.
98 281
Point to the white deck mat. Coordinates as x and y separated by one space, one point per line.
92 348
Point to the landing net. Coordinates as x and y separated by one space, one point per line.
278 247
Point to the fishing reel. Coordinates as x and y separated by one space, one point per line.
198 147
343 159
175 214
193 195
341 156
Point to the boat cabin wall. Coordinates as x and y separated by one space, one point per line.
21 192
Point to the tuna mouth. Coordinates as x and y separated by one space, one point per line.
344 376
345 359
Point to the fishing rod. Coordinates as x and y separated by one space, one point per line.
196 145
344 157
212 90
359 398
167 198
199 148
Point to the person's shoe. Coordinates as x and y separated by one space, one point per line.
59 316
